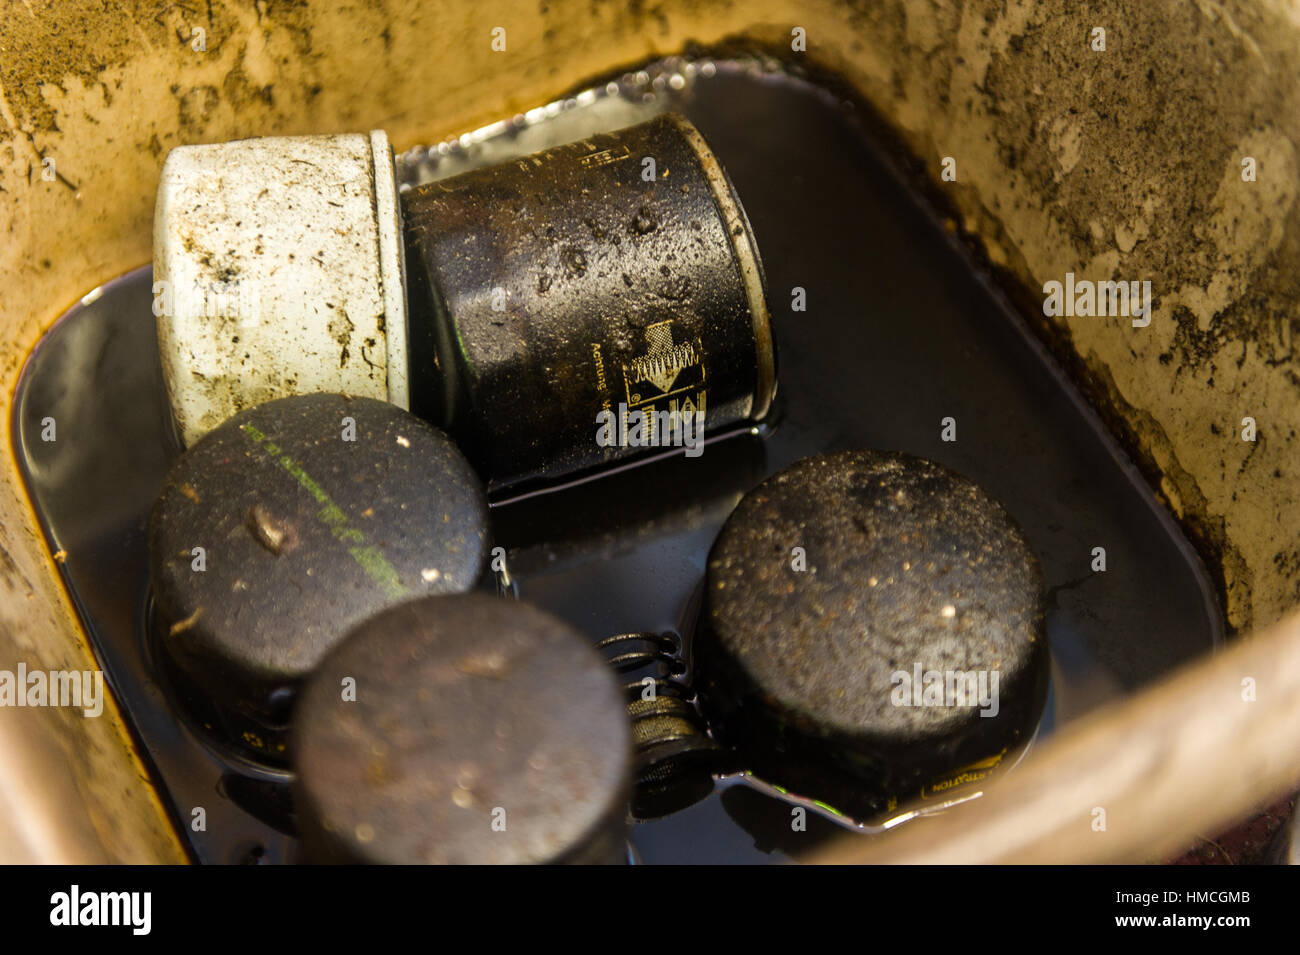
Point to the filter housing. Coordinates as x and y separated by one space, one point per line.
278 271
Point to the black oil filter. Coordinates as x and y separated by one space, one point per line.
465 729
606 281
283 528
872 627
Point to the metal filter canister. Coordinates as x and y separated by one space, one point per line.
510 306
615 274
284 528
873 630
482 731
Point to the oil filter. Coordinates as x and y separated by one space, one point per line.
583 280
553 314
872 623
465 729
283 528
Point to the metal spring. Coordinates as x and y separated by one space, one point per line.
675 756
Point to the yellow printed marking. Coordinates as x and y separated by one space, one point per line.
605 157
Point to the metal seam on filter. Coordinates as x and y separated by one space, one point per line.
392 268
748 261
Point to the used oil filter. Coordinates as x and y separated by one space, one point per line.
466 729
872 623
282 529
551 313
578 280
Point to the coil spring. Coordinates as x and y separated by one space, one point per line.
675 756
